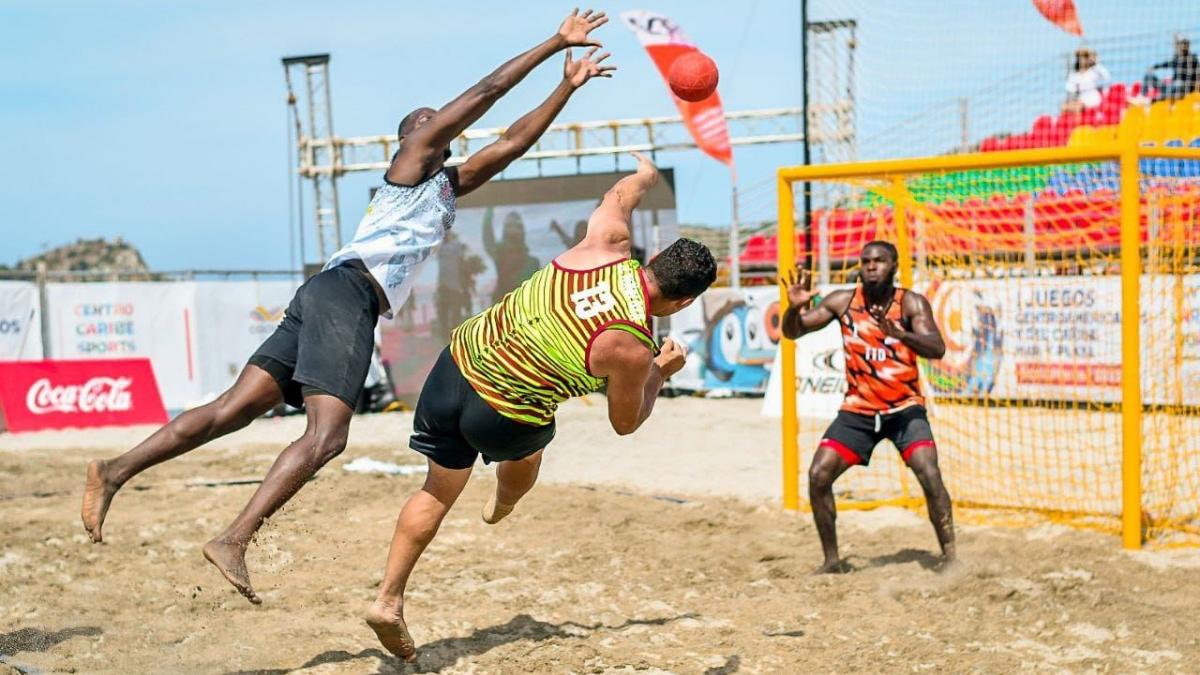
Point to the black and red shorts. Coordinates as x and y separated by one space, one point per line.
854 436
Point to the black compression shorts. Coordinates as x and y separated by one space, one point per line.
453 425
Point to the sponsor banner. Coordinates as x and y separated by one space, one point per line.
1053 338
20 321
1170 338
820 373
155 320
731 337
233 318
37 395
1059 338
820 376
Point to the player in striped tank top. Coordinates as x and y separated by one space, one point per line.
884 330
580 323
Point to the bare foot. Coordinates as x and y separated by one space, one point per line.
833 567
389 627
494 511
98 492
950 565
230 558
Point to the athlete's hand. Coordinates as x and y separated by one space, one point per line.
889 327
798 285
578 72
646 168
575 28
671 358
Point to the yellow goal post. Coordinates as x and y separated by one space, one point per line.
1068 280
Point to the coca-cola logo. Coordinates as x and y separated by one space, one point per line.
99 394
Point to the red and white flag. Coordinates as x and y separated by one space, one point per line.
1061 13
665 42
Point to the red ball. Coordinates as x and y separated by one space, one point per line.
693 76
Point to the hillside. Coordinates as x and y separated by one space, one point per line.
89 255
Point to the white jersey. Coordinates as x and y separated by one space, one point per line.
403 227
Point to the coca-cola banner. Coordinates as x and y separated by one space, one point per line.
232 320
155 320
20 321
36 395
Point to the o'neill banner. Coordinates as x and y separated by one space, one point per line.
36 395
665 42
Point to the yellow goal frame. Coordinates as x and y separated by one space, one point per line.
1127 153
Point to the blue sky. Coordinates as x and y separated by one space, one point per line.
164 122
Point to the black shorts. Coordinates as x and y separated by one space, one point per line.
453 425
326 339
854 436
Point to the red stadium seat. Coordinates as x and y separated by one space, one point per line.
1116 94
1041 134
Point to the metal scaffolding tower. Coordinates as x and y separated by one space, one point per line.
317 146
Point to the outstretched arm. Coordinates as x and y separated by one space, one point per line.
611 222
925 339
424 146
521 136
799 318
635 376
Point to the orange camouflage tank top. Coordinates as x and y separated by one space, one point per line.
881 372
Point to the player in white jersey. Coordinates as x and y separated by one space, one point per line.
320 354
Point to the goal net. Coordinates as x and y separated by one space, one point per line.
1066 282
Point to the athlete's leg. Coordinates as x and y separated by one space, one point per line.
922 459
254 393
826 466
513 480
415 528
323 439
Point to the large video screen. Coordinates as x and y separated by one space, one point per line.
503 233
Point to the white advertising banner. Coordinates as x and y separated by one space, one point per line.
1056 338
1170 337
820 372
156 320
232 319
731 337
1052 338
20 321
1059 338
820 376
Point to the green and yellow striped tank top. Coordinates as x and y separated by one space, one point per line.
529 352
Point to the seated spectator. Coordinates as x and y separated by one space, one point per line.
1185 74
1086 82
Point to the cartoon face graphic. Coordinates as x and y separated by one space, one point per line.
739 344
